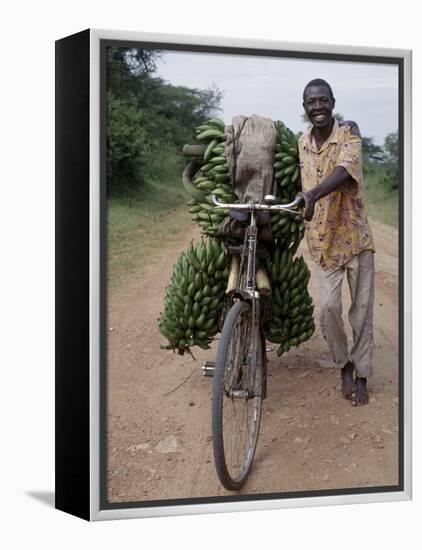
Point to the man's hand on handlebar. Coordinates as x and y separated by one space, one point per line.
309 199
338 177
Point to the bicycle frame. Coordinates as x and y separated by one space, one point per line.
249 288
247 291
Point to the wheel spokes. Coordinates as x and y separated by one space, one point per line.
240 410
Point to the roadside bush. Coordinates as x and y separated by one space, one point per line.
127 146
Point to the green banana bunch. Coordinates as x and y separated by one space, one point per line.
286 165
287 175
291 310
211 178
195 296
288 228
291 322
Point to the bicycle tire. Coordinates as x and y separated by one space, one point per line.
223 404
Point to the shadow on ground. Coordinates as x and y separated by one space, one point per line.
45 497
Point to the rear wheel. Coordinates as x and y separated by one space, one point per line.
237 397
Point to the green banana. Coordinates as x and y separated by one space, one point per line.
209 150
217 122
210 133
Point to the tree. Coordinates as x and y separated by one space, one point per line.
148 119
391 160
176 111
370 151
125 64
391 147
126 145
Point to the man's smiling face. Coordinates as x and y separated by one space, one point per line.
319 105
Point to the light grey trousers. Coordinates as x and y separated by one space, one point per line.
361 281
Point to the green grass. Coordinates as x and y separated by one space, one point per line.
380 202
140 224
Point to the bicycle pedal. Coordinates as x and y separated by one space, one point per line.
208 368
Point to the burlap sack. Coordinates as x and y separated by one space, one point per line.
250 147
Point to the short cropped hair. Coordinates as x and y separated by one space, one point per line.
318 82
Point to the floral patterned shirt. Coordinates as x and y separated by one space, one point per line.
339 229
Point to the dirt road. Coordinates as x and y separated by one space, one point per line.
159 434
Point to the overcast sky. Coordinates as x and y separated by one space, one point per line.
273 87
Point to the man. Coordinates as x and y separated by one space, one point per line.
338 234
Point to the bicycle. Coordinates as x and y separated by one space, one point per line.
239 377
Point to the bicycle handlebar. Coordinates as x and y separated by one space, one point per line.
259 206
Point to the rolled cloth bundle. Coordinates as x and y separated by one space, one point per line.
250 148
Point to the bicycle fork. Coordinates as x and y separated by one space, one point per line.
250 288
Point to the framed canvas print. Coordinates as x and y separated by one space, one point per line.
233 274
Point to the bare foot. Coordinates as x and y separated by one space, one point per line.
360 392
347 382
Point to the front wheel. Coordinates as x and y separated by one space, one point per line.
237 397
